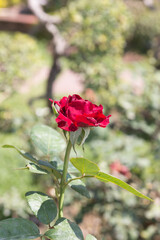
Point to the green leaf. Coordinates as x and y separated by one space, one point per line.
66 230
85 166
33 168
109 178
48 140
44 164
43 206
78 186
90 237
48 165
18 229
24 154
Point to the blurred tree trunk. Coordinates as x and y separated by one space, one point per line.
58 43
54 71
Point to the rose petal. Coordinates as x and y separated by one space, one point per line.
65 123
105 122
79 107
74 97
84 121
62 102
50 100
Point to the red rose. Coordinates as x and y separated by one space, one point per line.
75 112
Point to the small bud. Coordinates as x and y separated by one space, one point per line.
53 107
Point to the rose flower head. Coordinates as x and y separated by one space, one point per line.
75 112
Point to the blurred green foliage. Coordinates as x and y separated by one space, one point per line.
8 3
145 27
134 99
16 119
16 52
91 31
14 183
21 56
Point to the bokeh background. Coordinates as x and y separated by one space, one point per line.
109 53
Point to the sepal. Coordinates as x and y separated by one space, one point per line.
79 136
74 136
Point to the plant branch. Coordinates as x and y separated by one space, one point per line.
37 9
59 43
55 180
83 176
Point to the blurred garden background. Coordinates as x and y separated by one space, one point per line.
108 52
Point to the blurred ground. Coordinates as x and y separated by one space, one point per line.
68 82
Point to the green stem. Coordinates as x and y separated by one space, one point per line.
83 176
63 179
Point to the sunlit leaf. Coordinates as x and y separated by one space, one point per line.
85 166
109 178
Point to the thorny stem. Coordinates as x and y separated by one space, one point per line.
63 179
